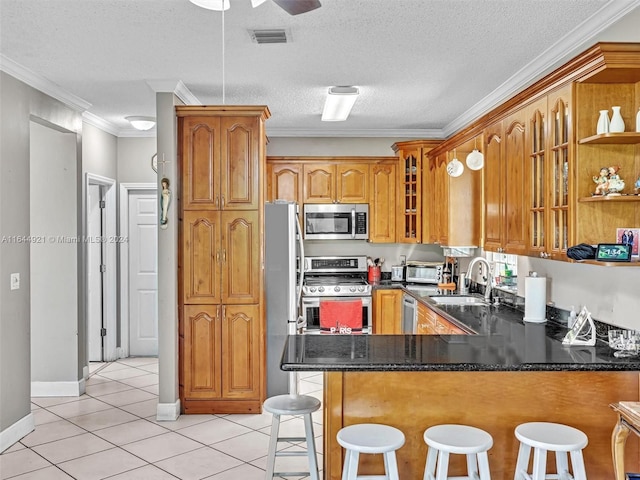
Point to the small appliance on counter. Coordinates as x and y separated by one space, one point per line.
397 273
424 272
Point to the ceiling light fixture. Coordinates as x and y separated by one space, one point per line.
142 123
338 104
217 5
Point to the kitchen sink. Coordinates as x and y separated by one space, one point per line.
458 300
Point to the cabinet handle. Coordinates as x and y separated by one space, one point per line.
224 255
222 201
218 256
218 312
224 312
217 202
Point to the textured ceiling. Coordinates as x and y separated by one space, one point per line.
421 65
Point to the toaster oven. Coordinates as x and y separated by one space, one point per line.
424 272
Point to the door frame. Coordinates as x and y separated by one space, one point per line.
109 283
127 189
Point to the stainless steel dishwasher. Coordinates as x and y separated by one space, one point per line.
409 314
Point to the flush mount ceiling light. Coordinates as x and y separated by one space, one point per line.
142 123
338 104
292 7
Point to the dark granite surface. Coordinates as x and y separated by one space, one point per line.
502 342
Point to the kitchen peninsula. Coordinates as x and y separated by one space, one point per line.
507 373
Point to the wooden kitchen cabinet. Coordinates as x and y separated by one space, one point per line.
336 183
430 323
549 141
452 205
387 311
382 206
220 162
412 157
506 185
221 349
221 322
285 182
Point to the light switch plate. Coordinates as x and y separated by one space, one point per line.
15 281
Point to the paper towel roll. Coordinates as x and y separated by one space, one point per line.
535 299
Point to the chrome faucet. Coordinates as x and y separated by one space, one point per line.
487 290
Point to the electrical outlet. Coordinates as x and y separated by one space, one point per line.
15 281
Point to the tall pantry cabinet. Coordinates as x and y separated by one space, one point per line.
221 200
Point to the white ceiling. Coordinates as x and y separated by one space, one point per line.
425 68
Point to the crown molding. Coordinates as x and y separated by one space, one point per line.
42 84
608 14
176 87
100 123
393 133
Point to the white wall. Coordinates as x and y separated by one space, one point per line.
54 257
134 160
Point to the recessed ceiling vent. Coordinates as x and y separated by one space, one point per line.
268 36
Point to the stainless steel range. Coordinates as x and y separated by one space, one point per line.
343 278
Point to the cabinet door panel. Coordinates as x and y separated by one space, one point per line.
494 187
409 226
536 208
241 257
352 183
200 163
383 204
319 183
241 351
201 255
515 156
239 163
284 183
387 312
201 355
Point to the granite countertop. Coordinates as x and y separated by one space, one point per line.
502 342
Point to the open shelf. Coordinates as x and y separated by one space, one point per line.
609 198
624 138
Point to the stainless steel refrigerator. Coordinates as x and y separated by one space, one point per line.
283 252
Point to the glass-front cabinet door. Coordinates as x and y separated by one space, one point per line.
410 227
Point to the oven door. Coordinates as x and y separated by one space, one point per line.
311 313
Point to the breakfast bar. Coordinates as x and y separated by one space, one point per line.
506 374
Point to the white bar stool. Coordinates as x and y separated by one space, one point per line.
543 436
458 439
370 438
292 405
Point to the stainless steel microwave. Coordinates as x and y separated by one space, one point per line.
336 221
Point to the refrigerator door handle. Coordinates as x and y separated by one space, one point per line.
302 261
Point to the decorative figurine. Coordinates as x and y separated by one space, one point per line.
637 186
608 182
601 181
165 199
616 184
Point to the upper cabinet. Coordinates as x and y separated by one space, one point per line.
284 182
412 157
382 211
220 162
336 183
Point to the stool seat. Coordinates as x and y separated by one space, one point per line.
302 405
551 436
460 439
542 437
447 439
371 438
291 404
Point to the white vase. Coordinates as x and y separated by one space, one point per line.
617 123
638 121
603 122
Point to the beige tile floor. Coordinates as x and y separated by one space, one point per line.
111 432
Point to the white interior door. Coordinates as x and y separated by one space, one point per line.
95 290
143 274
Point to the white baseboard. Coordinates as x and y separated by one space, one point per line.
58 389
121 352
168 412
15 432
85 372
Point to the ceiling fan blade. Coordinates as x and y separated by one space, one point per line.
296 7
